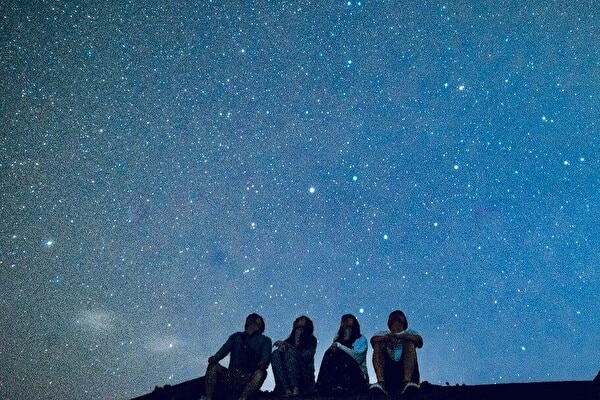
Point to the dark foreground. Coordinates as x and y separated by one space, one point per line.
567 390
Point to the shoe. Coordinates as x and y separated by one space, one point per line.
378 388
409 389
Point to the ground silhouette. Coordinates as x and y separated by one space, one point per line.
560 390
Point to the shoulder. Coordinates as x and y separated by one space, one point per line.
412 332
264 338
235 338
361 344
361 339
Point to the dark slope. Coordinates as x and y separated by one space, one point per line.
562 390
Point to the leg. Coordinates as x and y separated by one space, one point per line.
291 362
279 371
306 376
409 361
211 379
379 355
326 378
256 381
340 374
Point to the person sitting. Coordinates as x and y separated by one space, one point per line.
395 356
293 360
344 369
250 354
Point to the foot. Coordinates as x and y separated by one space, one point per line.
409 389
378 387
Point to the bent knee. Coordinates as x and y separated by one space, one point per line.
259 374
379 347
213 368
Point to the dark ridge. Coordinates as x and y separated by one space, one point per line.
561 390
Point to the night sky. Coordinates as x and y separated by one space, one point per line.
168 167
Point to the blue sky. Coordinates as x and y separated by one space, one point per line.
169 168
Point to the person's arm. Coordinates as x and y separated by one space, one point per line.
380 338
281 345
359 349
412 336
334 344
308 354
222 352
265 356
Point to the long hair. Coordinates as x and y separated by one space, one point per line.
354 334
307 339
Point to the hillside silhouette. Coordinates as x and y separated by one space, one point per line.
558 390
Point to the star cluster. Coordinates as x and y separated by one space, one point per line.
169 167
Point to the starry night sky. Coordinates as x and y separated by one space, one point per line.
167 168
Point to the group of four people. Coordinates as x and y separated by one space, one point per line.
343 368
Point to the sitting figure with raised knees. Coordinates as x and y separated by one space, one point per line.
344 367
395 357
249 357
293 360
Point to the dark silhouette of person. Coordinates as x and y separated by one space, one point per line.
249 357
293 360
344 368
395 356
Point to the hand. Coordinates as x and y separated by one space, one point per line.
393 339
263 366
281 345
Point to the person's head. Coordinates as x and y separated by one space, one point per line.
349 330
348 320
397 321
254 323
302 330
304 324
